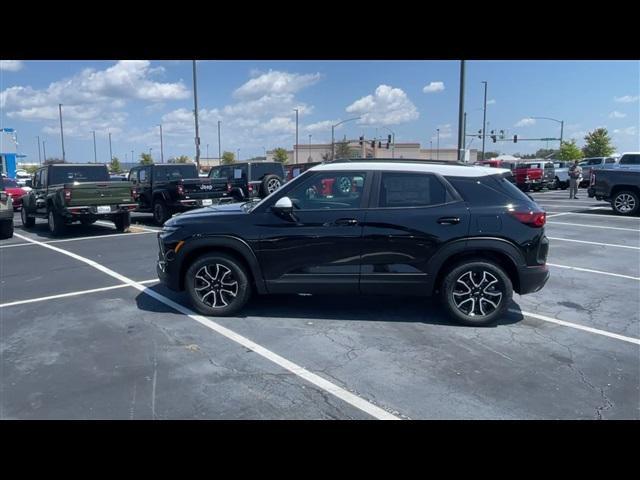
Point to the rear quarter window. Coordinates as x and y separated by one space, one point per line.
487 190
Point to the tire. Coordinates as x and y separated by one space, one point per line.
6 229
625 202
207 293
342 186
122 222
564 185
555 184
27 221
87 221
270 184
489 299
537 189
56 223
160 212
526 188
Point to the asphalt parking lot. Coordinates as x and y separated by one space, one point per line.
87 333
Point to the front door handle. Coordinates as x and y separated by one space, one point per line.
346 221
448 220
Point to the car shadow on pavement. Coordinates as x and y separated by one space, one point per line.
326 307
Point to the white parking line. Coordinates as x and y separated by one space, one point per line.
597 331
147 229
594 243
76 239
588 270
72 294
595 226
595 215
301 372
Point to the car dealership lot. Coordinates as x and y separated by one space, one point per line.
104 347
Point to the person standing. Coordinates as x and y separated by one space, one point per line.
575 174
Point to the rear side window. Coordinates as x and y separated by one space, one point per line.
411 190
610 160
175 172
488 190
259 170
630 159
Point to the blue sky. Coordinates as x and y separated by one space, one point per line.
254 100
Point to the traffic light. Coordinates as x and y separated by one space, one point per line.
493 137
373 144
515 139
501 134
361 140
479 133
379 144
389 138
388 145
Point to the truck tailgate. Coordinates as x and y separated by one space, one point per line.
99 193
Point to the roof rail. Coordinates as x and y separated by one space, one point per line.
395 160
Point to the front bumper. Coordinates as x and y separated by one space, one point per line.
532 279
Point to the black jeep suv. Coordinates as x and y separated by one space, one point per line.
250 180
464 233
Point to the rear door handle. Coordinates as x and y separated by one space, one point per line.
346 221
448 220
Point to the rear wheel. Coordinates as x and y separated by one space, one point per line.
476 292
27 221
56 223
625 202
6 229
217 285
160 212
122 222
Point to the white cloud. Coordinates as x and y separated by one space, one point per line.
324 125
627 131
626 99
387 106
275 83
617 114
434 87
525 122
11 65
491 102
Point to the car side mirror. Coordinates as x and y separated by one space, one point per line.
283 206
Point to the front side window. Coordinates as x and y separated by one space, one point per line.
411 190
610 160
331 190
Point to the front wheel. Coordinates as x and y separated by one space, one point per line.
217 285
6 229
625 202
476 292
27 221
122 222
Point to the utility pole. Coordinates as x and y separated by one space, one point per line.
39 158
219 147
430 149
131 156
464 133
161 148
296 152
110 151
461 114
309 159
44 152
195 112
438 145
61 132
484 119
95 154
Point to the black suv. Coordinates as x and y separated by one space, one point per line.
250 180
465 233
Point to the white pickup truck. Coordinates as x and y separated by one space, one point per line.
561 179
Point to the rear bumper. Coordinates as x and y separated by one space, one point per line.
532 279
92 210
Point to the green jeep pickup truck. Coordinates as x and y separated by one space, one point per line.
69 192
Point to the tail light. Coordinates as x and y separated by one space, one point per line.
250 189
593 178
228 187
134 193
67 195
180 190
533 219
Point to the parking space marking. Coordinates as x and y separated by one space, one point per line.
588 270
635 341
594 243
595 215
297 370
73 294
595 226
558 214
108 224
76 239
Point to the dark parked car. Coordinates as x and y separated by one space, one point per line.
166 189
463 233
251 179
620 187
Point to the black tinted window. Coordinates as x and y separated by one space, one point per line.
610 160
489 190
259 170
630 160
175 172
411 190
332 190
70 174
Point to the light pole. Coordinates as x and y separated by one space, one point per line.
333 127
110 151
461 115
238 154
296 152
484 119
561 122
61 132
161 146
219 148
195 113
39 158
44 152
430 149
131 156
95 154
309 159
438 144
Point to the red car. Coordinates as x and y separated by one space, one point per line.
15 192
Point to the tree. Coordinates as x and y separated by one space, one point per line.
343 150
114 165
569 151
280 155
598 144
146 159
180 159
31 169
228 157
